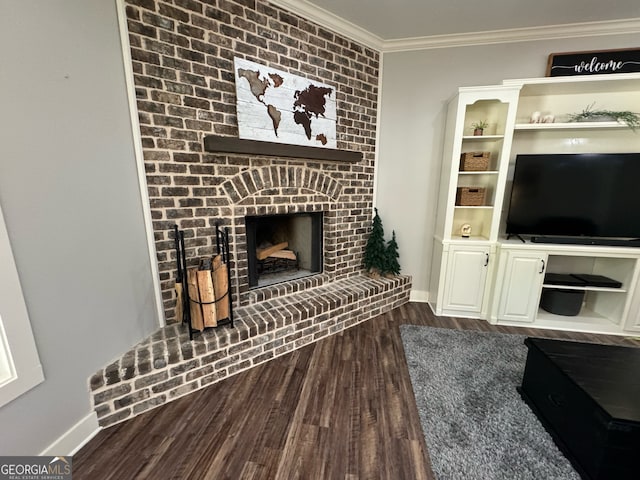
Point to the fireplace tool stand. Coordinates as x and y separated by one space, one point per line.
200 299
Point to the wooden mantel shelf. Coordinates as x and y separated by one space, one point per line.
219 144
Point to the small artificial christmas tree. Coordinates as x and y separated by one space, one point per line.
375 251
392 267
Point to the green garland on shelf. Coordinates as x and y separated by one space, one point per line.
631 119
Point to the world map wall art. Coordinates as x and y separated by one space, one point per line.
277 106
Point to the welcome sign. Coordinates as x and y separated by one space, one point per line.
593 63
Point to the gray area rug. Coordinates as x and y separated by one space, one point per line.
476 425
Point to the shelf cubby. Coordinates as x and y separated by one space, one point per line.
586 321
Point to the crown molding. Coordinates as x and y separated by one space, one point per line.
337 24
330 21
552 32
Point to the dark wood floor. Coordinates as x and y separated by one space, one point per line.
342 408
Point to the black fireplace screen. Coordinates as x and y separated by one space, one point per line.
283 247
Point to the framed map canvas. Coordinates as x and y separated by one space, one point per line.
277 106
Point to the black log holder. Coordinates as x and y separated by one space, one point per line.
222 247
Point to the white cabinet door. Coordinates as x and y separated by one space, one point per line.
632 323
465 280
521 275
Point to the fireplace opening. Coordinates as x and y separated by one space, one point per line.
283 247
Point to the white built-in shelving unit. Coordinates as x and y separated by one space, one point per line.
487 276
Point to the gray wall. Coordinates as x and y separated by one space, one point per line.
415 89
70 196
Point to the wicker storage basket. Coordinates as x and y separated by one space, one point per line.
474 161
470 196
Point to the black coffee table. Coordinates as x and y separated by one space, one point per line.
588 398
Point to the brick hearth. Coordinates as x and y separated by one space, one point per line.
167 365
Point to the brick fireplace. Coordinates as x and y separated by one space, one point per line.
182 58
290 190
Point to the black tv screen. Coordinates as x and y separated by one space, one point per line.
576 195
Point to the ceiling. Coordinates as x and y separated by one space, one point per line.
381 23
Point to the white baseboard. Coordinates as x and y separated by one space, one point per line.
75 438
421 296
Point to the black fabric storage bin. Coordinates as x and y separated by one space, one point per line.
562 302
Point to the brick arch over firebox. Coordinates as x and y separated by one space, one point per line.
277 177
277 190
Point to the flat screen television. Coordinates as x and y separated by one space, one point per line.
577 196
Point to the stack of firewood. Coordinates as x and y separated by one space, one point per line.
208 286
276 251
